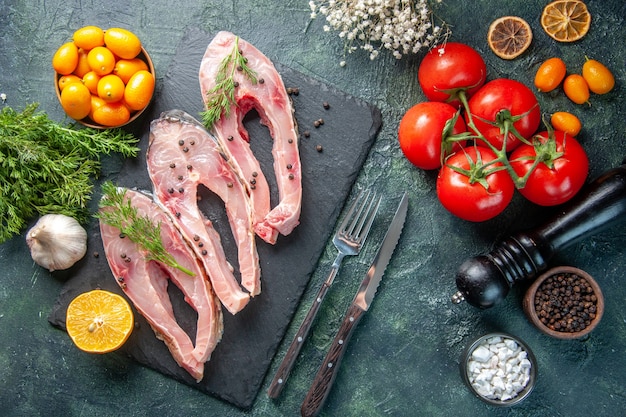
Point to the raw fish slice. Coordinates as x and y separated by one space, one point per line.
145 283
181 156
268 96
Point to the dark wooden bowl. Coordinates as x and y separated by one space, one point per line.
531 293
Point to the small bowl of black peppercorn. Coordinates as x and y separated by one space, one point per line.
565 302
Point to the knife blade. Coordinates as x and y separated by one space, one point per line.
316 397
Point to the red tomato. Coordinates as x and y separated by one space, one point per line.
560 176
450 68
503 94
482 194
421 131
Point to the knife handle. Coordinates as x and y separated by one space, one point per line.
278 383
316 397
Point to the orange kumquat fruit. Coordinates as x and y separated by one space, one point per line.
576 88
111 114
598 77
111 88
76 100
550 74
139 90
64 80
65 58
123 43
88 37
91 81
126 68
566 122
82 67
101 60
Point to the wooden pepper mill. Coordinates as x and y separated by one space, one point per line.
485 280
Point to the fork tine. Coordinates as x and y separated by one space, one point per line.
349 215
362 222
371 214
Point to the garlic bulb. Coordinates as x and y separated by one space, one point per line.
57 241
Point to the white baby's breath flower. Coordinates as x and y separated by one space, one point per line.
400 26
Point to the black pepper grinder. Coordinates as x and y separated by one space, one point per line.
485 280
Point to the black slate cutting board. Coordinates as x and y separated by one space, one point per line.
237 367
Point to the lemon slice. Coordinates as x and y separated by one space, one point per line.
566 20
509 36
99 321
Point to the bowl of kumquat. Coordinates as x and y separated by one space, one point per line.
103 78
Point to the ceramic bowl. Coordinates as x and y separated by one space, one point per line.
471 376
134 115
559 331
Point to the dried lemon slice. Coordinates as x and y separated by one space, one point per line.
99 321
509 36
566 20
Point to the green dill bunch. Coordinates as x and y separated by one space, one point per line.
47 167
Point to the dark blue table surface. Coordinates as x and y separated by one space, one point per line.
403 359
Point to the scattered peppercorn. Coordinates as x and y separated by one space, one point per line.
566 303
319 148
326 105
306 134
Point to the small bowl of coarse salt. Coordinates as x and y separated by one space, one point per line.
500 369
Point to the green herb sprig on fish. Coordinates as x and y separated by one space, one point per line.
119 213
47 167
222 96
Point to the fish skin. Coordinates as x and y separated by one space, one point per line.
145 283
270 99
173 167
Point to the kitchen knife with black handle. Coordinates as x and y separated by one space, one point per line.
316 397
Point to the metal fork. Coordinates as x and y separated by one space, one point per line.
348 240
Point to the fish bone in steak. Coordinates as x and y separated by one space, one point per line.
181 156
268 96
145 283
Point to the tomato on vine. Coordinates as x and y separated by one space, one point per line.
554 168
472 186
422 133
449 68
504 107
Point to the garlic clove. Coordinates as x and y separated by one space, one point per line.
57 241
